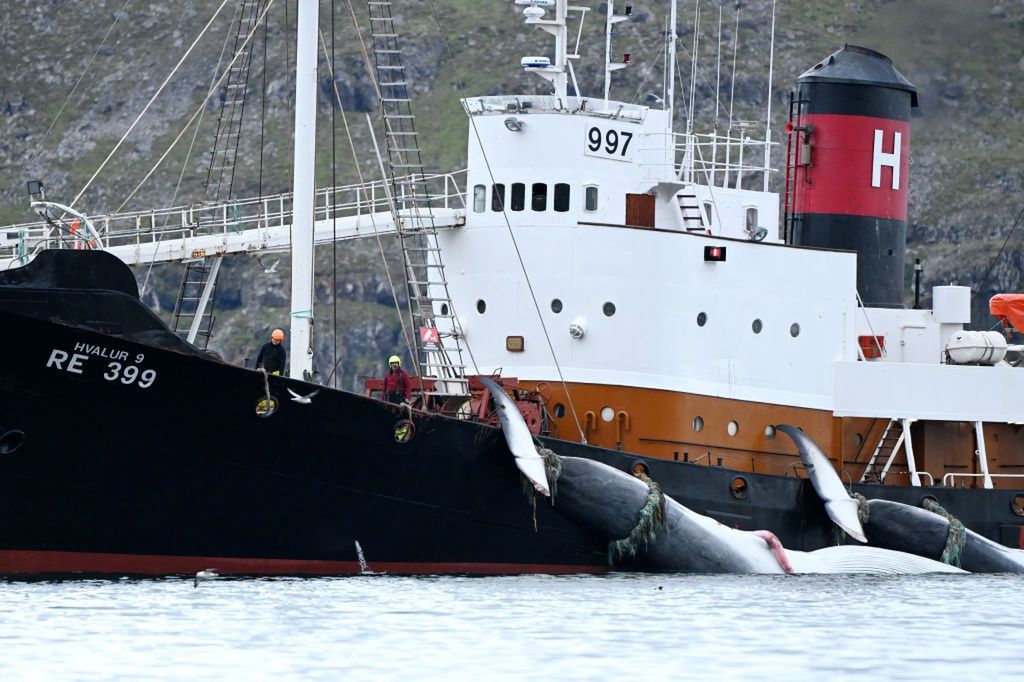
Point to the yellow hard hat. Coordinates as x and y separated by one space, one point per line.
277 334
394 358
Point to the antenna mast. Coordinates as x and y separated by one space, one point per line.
609 32
555 73
768 118
671 89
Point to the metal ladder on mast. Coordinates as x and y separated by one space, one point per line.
438 348
193 312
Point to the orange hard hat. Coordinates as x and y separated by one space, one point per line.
277 335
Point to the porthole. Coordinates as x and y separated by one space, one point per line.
794 330
1017 505
404 430
733 428
559 410
757 326
266 408
769 432
698 423
608 308
556 305
858 439
739 488
607 413
702 319
11 441
481 306
444 308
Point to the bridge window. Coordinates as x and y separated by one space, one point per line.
539 197
479 198
561 197
590 198
708 208
518 196
498 197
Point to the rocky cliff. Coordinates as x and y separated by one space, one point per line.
77 74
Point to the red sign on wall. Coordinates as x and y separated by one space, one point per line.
429 335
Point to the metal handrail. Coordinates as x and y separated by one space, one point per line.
931 479
695 164
178 222
948 479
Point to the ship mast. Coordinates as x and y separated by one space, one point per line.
302 207
555 73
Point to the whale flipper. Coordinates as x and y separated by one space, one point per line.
519 438
841 508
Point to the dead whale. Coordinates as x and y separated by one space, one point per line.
635 514
677 539
901 527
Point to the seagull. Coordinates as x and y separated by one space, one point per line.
205 574
303 399
271 269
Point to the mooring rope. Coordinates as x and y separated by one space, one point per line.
953 552
652 519
266 387
862 508
552 470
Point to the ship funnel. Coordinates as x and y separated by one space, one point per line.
847 166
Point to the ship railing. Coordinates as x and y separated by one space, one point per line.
719 160
525 104
445 190
949 480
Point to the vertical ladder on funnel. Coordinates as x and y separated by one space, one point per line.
193 312
437 335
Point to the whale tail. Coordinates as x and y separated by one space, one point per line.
519 439
840 507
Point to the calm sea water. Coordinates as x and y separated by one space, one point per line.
623 627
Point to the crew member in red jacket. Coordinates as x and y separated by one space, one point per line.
397 386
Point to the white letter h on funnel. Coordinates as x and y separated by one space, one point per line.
880 158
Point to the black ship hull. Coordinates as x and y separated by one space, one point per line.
125 451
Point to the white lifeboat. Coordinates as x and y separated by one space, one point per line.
976 348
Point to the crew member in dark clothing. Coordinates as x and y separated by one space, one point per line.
397 386
272 355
